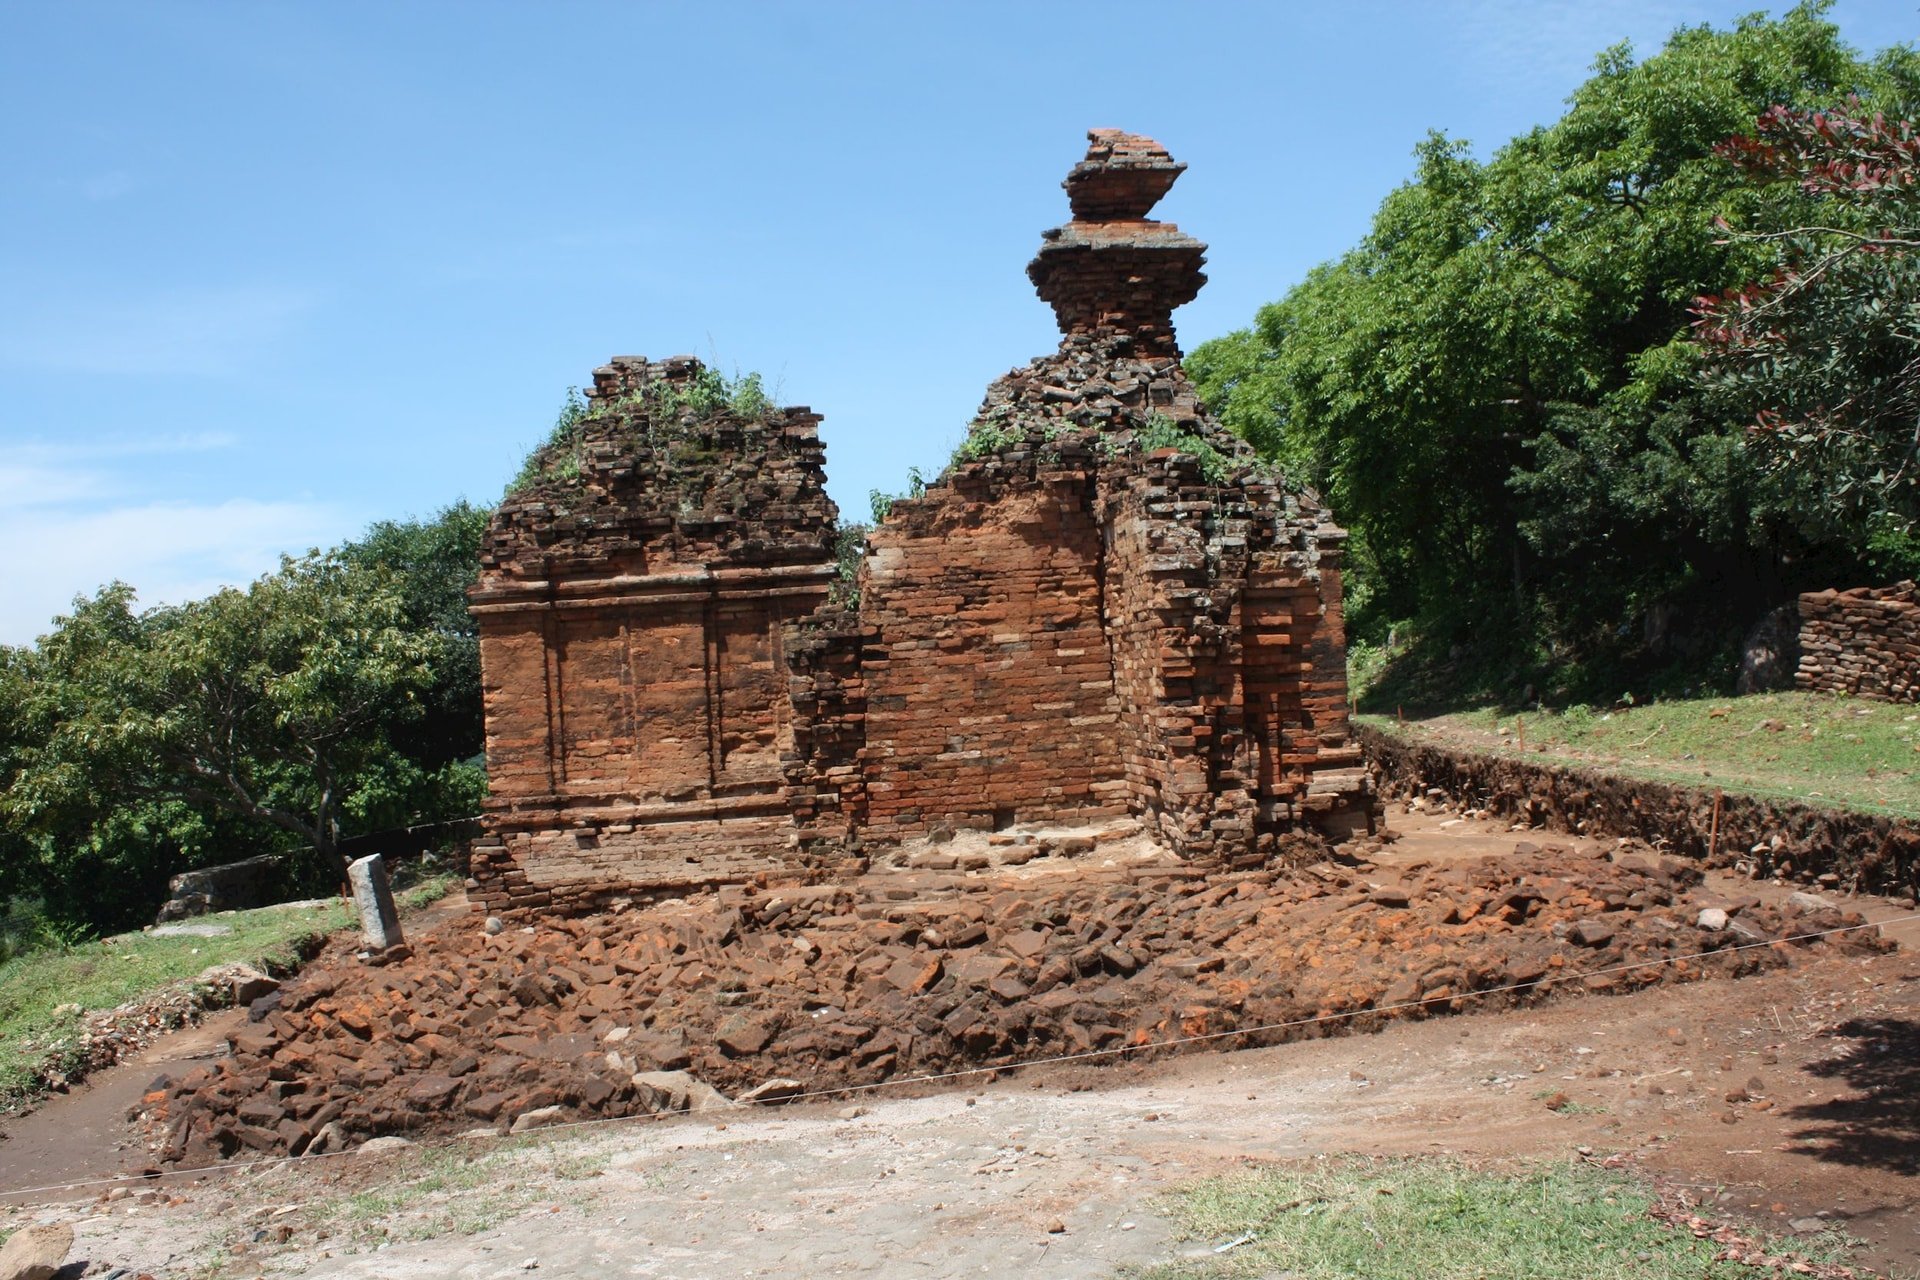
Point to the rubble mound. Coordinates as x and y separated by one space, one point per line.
905 973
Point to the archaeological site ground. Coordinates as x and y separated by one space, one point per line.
1059 786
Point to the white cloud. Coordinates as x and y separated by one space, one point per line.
170 552
82 522
47 473
212 333
65 453
25 484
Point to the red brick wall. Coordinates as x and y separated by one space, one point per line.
826 780
632 605
1106 606
1133 630
625 739
989 694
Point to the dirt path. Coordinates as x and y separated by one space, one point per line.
1782 1097
85 1133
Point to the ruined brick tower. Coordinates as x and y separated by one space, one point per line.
631 601
1106 607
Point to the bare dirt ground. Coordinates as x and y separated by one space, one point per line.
1782 1097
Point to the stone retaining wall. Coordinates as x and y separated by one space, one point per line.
1871 852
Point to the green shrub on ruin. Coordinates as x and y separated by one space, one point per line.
562 445
985 438
1162 432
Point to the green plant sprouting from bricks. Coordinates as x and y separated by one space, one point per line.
849 549
704 396
560 451
1162 432
992 435
668 409
881 502
984 438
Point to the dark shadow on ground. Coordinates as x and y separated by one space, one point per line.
1879 1125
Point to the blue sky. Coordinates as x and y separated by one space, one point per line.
269 272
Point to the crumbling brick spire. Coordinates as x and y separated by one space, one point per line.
1113 269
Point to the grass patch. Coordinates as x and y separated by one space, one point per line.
426 891
1441 1220
1822 749
45 994
427 1193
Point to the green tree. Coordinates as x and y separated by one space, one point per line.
1495 389
1821 357
93 854
272 704
433 563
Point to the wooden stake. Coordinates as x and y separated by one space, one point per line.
1713 828
1520 723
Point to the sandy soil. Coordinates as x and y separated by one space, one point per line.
1780 1097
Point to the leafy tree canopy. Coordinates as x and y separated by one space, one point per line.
1822 356
339 694
1496 388
269 702
433 562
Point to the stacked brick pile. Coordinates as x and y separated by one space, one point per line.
630 607
900 974
1864 642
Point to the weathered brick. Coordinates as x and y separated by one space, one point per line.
1105 606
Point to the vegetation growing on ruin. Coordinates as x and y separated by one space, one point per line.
984 438
668 408
706 394
849 548
1437 1219
1162 432
880 502
1503 395
560 451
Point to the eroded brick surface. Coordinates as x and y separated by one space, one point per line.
1107 605
893 975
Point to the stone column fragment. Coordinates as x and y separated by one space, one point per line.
373 898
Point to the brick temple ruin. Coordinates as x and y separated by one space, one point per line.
1107 608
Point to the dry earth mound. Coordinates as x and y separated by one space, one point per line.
902 973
